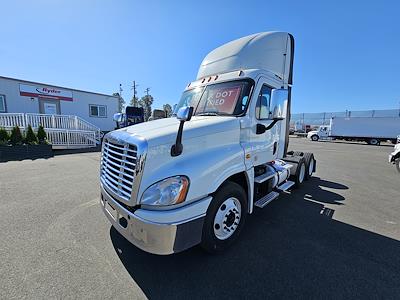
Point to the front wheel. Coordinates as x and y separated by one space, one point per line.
314 138
225 218
397 163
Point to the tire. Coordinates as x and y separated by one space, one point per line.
397 163
221 214
298 153
310 164
299 176
314 138
374 142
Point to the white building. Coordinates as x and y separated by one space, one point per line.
21 96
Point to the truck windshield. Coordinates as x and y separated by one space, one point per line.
220 99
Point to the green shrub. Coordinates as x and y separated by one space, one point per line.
30 136
4 137
16 136
41 135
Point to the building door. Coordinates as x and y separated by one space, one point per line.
49 107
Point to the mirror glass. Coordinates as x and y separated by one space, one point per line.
279 98
118 117
184 113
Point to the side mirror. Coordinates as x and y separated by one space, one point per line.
118 117
158 114
185 113
279 98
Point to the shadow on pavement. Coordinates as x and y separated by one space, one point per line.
289 249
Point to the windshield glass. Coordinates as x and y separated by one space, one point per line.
224 99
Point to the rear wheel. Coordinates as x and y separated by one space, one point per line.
300 174
225 218
314 138
310 164
374 142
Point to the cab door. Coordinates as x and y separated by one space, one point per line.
263 146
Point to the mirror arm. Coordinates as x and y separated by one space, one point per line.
262 128
273 123
177 148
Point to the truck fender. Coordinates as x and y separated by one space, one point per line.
246 180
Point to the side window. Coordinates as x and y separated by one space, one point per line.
2 104
263 101
99 111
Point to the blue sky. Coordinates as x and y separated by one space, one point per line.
347 52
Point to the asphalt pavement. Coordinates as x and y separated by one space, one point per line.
336 237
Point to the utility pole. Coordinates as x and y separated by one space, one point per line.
134 86
147 90
120 100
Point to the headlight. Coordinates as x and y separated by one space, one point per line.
169 191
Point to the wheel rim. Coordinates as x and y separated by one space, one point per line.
302 172
314 138
311 167
227 218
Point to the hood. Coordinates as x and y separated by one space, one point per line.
163 131
312 132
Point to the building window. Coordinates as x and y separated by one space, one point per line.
2 104
99 111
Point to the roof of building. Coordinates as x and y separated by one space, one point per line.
56 86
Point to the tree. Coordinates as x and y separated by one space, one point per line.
4 136
168 110
41 134
16 136
146 103
134 101
121 102
30 137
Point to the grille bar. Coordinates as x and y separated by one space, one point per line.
118 164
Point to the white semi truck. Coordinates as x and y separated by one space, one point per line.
372 130
169 184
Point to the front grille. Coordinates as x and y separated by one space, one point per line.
118 164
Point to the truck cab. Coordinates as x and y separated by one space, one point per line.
323 132
173 183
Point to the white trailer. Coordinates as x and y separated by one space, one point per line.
169 184
372 130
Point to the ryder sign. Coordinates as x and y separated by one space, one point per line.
45 92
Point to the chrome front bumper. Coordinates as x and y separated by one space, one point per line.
158 232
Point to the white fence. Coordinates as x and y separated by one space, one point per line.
61 139
63 131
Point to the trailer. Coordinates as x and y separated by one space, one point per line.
172 183
372 130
